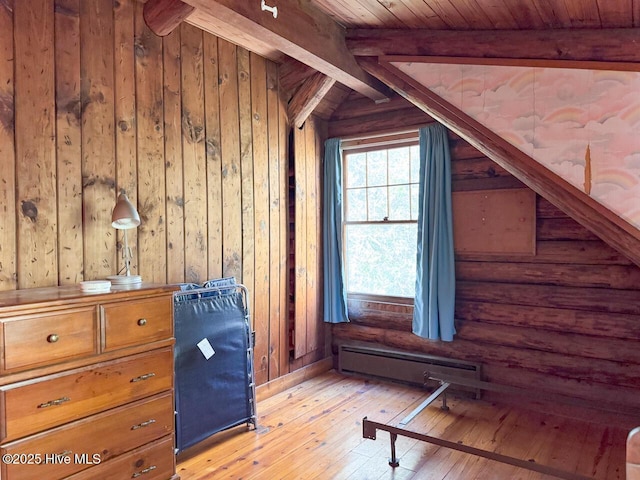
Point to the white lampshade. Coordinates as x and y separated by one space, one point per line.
124 214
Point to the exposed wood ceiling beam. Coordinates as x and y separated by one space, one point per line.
307 35
610 46
580 206
303 33
516 62
163 16
308 96
234 34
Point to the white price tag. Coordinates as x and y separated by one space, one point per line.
206 348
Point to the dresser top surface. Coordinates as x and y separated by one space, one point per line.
11 300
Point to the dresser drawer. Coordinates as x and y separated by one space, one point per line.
36 339
92 440
135 322
155 461
53 400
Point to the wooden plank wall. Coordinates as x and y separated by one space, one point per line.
564 321
192 128
34 140
309 332
8 240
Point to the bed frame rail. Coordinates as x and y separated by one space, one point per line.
370 428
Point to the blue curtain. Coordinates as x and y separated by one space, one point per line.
434 303
335 295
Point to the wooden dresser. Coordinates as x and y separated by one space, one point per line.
86 384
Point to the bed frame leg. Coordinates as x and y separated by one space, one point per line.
393 461
444 407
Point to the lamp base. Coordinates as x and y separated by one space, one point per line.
124 279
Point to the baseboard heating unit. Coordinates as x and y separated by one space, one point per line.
400 366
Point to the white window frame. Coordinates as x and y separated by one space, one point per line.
365 145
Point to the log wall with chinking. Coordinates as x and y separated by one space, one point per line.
564 321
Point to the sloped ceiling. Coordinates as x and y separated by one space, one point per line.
613 229
584 125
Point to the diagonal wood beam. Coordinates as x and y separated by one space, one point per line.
585 210
163 16
610 46
299 31
308 96
292 74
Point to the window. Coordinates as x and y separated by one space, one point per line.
381 212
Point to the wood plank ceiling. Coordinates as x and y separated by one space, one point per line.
483 14
433 23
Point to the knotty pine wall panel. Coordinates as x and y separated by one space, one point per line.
8 240
313 219
249 204
214 161
35 150
277 341
69 141
173 158
151 180
126 74
193 153
192 128
564 321
231 172
257 126
310 331
279 219
300 221
98 165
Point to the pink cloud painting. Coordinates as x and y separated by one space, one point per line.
553 114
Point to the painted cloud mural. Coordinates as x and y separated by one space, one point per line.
559 117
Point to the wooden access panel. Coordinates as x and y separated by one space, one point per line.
495 221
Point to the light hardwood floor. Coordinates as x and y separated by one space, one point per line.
314 431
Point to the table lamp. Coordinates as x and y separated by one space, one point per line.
124 217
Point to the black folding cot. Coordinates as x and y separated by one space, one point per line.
215 387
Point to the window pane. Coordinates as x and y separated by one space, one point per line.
376 168
399 203
415 164
414 202
377 204
399 166
381 259
356 171
357 205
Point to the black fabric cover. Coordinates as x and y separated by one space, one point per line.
213 394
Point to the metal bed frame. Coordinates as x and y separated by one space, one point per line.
369 428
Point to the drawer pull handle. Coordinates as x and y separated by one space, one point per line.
143 424
142 322
52 403
142 472
53 338
146 376
66 453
